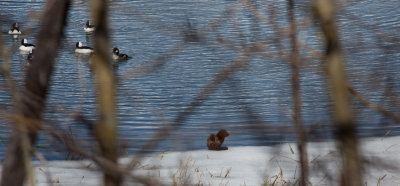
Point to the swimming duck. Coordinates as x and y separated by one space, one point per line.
89 27
83 49
14 31
119 57
25 46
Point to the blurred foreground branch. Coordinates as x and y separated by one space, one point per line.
336 80
107 166
33 95
296 97
373 106
106 126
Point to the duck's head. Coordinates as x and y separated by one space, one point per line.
89 23
78 44
24 41
116 51
15 26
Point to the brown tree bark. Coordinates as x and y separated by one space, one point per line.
106 126
337 82
32 98
296 96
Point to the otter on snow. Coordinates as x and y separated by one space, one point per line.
214 142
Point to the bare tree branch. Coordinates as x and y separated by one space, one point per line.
106 126
373 106
336 79
296 97
34 94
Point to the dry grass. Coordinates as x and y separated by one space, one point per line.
277 180
182 176
380 179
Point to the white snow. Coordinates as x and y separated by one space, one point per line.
247 165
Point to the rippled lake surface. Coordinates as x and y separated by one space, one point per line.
150 30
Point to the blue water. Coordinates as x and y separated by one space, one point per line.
148 30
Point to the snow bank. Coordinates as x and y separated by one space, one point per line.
248 165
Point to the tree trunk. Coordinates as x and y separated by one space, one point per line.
336 78
33 96
106 126
301 134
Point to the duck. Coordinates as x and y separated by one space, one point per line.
89 27
119 57
14 31
25 46
83 49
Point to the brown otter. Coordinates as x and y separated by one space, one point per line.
214 142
